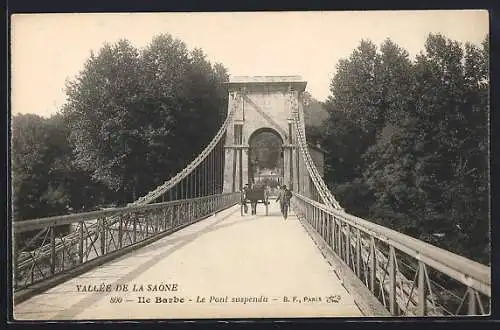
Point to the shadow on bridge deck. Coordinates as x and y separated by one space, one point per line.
244 267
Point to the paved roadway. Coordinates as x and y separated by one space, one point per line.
222 259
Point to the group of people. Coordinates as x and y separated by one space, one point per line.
284 196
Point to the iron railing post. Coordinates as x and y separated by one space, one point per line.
328 225
164 217
178 214
348 245
323 224
32 274
422 303
358 253
333 233
307 214
80 243
373 264
120 233
472 302
392 281
134 227
339 239
310 217
196 179
171 216
52 250
316 219
103 235
189 212
157 220
184 216
327 235
313 218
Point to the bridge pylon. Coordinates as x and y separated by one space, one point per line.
261 103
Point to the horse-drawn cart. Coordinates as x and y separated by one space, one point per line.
254 196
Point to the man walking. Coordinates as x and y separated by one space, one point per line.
284 196
244 198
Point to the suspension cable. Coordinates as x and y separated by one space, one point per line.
152 195
319 184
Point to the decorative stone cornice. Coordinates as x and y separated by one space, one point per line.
239 82
237 146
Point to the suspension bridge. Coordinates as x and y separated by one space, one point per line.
187 251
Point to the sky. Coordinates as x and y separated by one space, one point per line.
49 49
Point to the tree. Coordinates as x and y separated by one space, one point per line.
354 89
137 117
202 101
408 142
392 175
45 181
353 112
394 81
314 116
28 182
390 98
103 111
452 82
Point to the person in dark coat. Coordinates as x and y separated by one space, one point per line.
253 198
244 193
284 196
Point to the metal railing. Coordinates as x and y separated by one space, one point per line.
52 244
96 234
408 276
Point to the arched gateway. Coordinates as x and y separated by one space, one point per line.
262 104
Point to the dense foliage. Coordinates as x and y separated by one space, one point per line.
137 117
45 181
408 141
314 118
133 118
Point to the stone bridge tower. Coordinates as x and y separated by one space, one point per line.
261 103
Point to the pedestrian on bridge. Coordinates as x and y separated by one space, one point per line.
252 192
244 194
284 196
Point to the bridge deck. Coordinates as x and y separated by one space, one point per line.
225 256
